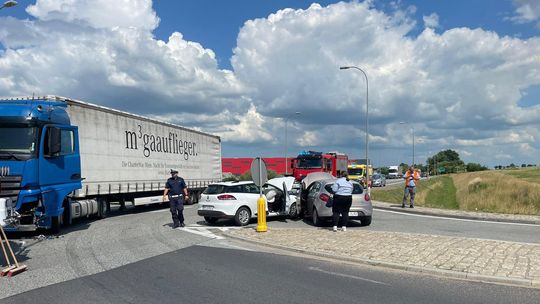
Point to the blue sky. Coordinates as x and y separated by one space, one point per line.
463 73
215 24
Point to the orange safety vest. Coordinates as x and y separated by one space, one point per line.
409 176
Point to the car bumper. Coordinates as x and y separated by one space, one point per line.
214 213
354 213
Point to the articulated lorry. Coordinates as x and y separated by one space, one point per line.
62 159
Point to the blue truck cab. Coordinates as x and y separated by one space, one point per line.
39 163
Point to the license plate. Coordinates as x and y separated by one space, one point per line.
353 213
207 207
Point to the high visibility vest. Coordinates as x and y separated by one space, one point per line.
409 180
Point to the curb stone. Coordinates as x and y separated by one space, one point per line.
378 205
409 268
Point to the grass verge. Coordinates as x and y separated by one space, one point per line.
503 191
438 192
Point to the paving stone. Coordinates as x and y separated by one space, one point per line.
475 256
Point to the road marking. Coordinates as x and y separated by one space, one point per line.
456 219
204 232
346 276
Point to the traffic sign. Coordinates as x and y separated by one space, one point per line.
259 174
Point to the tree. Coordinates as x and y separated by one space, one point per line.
247 175
446 161
383 170
472 167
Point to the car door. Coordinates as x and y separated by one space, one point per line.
312 195
250 195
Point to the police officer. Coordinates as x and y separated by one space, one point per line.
176 188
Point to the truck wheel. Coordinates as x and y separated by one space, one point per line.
242 216
56 224
103 208
66 216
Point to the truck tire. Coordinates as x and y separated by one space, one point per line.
56 224
66 216
103 208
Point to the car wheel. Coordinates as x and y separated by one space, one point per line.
242 216
210 220
365 220
293 211
315 217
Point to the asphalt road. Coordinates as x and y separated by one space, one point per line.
213 275
122 246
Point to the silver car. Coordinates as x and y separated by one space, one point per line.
318 193
378 180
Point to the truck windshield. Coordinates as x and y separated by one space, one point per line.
355 171
308 163
18 142
392 171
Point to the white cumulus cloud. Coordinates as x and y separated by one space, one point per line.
431 21
526 11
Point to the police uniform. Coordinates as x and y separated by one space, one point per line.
176 186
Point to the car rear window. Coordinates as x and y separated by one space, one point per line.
357 189
214 189
244 188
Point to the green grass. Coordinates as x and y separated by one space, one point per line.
437 192
441 194
390 194
529 174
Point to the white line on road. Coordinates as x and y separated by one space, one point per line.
201 231
456 219
347 276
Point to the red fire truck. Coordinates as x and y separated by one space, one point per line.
311 161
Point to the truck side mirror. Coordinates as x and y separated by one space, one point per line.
53 142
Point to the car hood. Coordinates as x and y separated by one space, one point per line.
315 176
278 182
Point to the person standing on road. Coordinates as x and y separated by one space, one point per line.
342 189
177 192
411 177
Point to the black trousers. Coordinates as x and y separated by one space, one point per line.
177 210
341 206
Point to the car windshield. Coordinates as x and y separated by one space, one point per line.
357 189
307 163
377 176
16 141
355 171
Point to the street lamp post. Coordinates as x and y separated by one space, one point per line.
412 129
8 3
286 143
367 117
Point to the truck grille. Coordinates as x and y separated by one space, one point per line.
10 186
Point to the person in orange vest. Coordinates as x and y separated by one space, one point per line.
411 177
